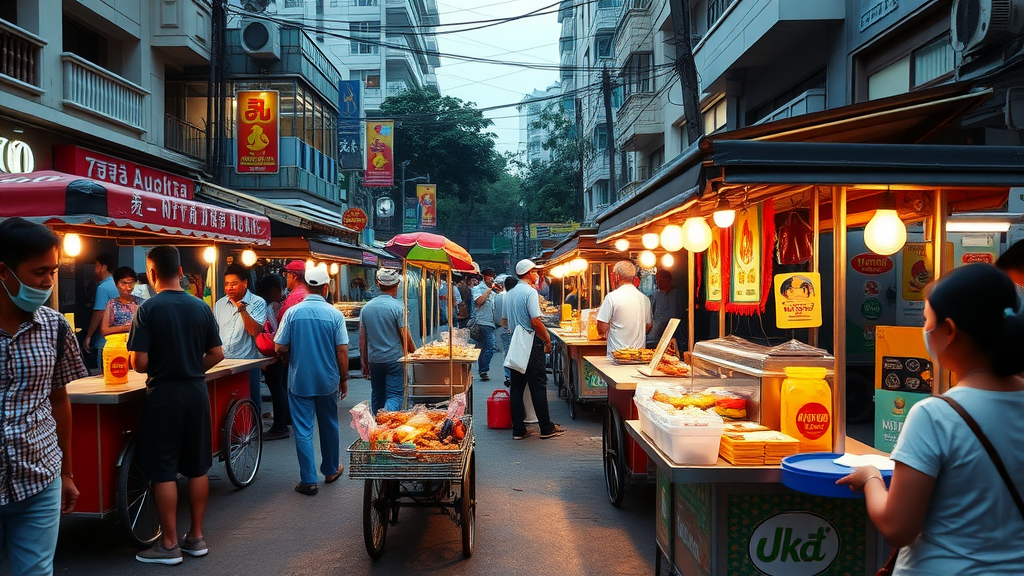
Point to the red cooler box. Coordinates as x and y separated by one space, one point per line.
499 410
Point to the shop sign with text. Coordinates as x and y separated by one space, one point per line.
794 544
257 132
83 162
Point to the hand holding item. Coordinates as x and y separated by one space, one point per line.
69 494
860 477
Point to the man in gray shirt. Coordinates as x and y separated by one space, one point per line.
522 311
383 340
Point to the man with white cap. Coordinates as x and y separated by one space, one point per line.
625 314
313 339
383 340
522 310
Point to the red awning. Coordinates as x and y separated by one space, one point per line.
56 198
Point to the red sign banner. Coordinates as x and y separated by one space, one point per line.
354 218
84 162
257 132
380 153
186 214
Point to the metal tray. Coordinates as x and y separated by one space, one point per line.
367 463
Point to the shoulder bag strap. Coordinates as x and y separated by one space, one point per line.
973 425
62 336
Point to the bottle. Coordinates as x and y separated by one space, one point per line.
806 408
115 360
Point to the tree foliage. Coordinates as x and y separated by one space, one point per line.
447 138
552 188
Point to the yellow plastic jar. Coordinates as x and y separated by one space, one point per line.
115 360
806 408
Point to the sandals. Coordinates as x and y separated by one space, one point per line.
334 477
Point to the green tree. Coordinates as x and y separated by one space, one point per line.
553 189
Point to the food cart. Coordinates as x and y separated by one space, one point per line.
725 518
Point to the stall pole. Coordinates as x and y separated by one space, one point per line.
423 305
939 246
690 260
815 261
839 324
451 337
405 312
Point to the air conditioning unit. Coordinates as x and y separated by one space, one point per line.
977 24
261 39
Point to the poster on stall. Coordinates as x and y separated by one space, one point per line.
974 248
350 128
891 409
380 154
426 194
257 132
753 240
798 300
716 270
904 375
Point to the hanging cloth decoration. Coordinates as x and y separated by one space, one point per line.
796 240
753 244
717 262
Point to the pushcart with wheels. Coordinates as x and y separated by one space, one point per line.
106 470
444 479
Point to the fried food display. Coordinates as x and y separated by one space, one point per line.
439 349
419 429
672 366
698 400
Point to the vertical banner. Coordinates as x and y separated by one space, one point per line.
350 127
427 196
717 272
380 154
751 257
257 132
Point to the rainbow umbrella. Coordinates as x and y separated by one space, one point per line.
426 248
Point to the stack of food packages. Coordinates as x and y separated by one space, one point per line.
669 365
418 428
439 349
750 444
684 426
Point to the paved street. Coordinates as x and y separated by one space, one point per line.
541 510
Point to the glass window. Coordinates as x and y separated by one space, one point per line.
891 80
638 73
603 46
601 137
715 117
933 60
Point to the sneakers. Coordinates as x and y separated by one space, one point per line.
485 377
526 434
508 383
276 435
307 489
334 477
555 431
193 547
160 555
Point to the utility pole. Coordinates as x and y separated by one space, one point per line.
606 87
578 147
686 68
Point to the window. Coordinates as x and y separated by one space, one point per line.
603 46
565 45
715 117
638 72
716 9
608 3
601 193
85 43
370 78
601 137
366 37
917 55
923 66
933 60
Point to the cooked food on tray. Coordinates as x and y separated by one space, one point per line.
440 350
419 429
699 400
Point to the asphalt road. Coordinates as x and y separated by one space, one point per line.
541 510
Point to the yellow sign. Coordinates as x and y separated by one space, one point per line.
798 300
551 230
917 270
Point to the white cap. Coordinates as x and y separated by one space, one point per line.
388 277
524 266
317 275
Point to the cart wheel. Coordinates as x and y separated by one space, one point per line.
376 508
570 392
613 443
395 490
243 440
136 501
468 515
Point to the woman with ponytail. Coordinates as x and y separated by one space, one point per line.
947 510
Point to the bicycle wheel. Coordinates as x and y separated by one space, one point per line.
243 440
467 517
136 501
376 509
613 444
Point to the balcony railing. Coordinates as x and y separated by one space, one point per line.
19 56
92 89
184 137
716 9
396 88
294 3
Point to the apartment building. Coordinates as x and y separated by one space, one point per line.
532 135
757 61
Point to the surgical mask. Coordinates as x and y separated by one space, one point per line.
28 299
927 347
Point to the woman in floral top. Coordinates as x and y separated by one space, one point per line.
117 318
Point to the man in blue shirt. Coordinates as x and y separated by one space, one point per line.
105 292
383 340
485 295
240 315
313 339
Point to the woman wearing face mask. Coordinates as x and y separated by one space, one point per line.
947 510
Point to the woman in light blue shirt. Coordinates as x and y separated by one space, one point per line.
947 509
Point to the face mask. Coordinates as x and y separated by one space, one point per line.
927 346
28 299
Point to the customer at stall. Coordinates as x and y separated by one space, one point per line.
500 315
522 311
240 315
39 355
947 510
485 295
174 340
313 339
664 306
383 340
294 275
105 292
117 318
271 289
464 309
624 317
442 296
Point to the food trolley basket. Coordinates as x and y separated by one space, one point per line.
368 464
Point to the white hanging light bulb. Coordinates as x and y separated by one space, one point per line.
622 244
248 258
667 261
648 259
724 218
696 234
334 268
649 240
885 233
557 272
72 245
672 238
210 255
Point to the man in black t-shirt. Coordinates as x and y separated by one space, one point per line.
174 340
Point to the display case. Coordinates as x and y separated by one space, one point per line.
754 371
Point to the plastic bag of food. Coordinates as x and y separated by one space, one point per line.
363 420
457 407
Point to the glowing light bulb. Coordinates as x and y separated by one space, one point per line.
672 238
72 245
724 218
210 255
648 259
334 268
248 258
885 233
667 261
557 272
649 240
696 234
622 244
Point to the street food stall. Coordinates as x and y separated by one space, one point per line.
718 441
106 408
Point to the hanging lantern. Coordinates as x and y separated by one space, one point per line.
310 264
557 272
696 234
334 268
578 266
724 218
72 245
649 240
885 233
667 261
248 258
622 244
648 259
672 238
210 255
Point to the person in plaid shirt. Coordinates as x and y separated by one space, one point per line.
36 483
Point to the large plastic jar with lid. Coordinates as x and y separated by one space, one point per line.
115 360
806 408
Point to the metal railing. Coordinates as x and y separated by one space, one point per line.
103 93
294 3
185 137
20 53
716 9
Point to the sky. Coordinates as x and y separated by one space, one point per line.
533 40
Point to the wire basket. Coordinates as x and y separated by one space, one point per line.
367 463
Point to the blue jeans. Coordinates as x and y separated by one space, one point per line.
506 343
387 386
486 347
254 389
325 408
28 532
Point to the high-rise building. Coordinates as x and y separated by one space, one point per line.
532 134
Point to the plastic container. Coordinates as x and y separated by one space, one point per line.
499 410
816 474
115 360
806 408
693 445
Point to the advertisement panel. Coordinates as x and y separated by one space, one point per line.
350 127
257 132
798 300
543 231
83 162
380 154
426 195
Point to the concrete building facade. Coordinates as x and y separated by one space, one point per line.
532 135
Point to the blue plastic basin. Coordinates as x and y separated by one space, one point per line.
815 473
